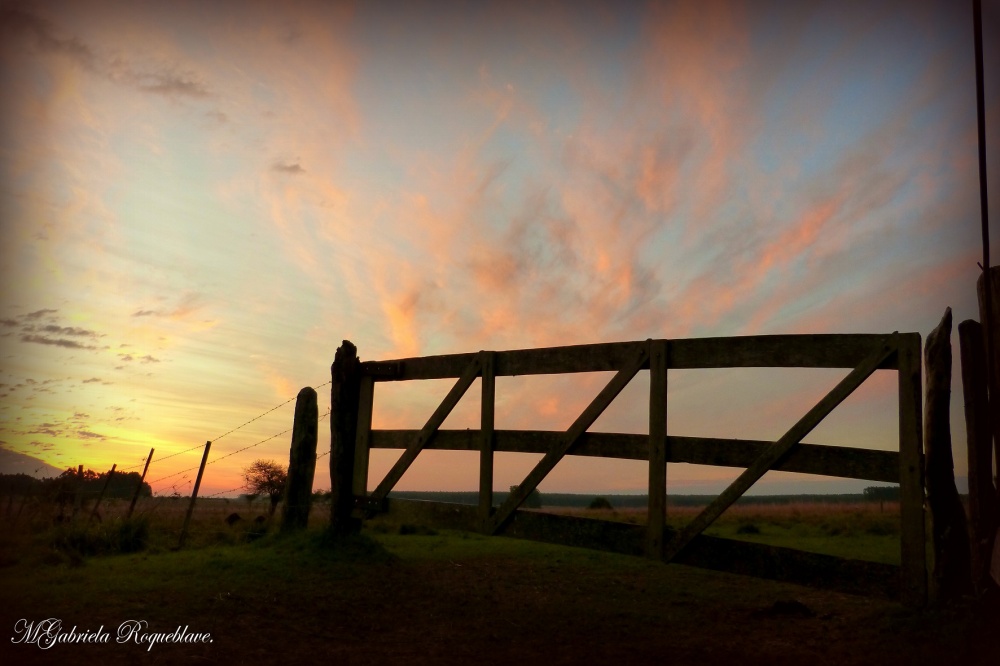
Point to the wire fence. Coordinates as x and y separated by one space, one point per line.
174 492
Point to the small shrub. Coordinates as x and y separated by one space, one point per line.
600 503
748 528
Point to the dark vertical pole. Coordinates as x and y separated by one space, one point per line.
104 489
486 427
344 398
987 314
657 448
194 495
138 488
301 462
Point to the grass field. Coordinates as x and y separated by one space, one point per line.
409 594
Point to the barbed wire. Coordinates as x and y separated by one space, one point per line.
259 416
222 492
159 460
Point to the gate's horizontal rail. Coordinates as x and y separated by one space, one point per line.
785 564
818 459
775 351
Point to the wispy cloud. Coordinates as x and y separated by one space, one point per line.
43 36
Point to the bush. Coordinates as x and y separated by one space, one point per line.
748 528
600 503
118 536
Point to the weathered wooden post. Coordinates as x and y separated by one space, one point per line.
301 462
952 576
104 489
138 487
194 495
344 398
657 448
487 422
982 494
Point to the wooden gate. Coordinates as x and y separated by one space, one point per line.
862 354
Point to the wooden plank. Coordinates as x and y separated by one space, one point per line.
776 351
779 351
486 427
775 452
784 564
427 433
555 454
821 459
913 540
362 447
657 510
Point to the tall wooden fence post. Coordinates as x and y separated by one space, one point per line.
344 399
952 576
487 423
301 462
982 494
194 495
138 488
104 489
657 448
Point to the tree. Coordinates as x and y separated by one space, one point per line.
532 501
266 477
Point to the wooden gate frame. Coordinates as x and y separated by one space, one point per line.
862 353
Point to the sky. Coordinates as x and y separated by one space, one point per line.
200 200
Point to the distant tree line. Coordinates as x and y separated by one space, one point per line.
882 493
62 488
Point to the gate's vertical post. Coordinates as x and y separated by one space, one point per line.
486 426
301 462
657 448
362 444
344 389
913 586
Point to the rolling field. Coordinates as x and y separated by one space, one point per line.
404 593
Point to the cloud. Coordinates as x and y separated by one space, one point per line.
165 79
187 305
55 342
283 167
38 314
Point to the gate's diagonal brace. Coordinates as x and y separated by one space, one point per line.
427 433
777 451
566 442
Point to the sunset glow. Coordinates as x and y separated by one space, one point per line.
201 200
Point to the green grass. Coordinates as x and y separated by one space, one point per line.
437 596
